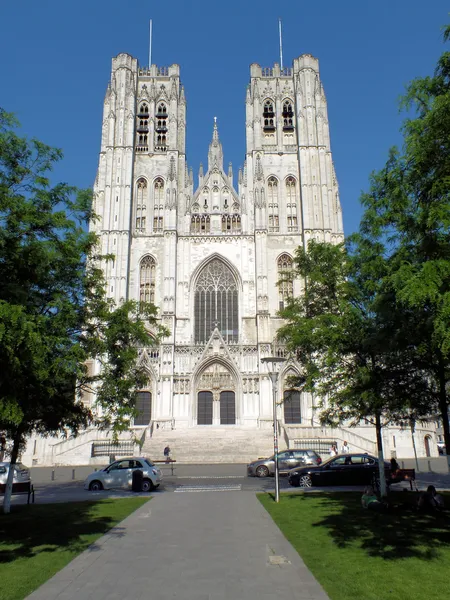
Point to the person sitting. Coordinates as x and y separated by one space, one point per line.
430 501
370 501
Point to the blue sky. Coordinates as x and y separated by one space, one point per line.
56 61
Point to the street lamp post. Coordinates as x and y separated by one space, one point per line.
273 365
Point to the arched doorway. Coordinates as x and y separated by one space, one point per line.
216 396
427 445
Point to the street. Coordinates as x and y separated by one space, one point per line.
185 479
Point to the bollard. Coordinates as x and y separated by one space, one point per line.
73 474
53 474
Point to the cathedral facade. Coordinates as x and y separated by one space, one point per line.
210 257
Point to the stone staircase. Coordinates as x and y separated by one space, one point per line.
211 444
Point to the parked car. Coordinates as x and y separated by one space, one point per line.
21 473
344 469
287 460
119 474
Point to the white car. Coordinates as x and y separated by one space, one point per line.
119 474
21 473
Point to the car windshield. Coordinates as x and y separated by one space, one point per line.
149 462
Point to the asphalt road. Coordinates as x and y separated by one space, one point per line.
185 479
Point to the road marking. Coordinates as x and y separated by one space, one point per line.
210 477
209 488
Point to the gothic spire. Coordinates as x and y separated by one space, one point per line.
215 154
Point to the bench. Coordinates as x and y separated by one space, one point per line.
404 475
166 461
20 488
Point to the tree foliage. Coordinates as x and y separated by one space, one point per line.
408 206
54 314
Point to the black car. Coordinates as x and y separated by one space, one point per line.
344 469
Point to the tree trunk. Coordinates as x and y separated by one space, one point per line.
381 472
443 406
9 483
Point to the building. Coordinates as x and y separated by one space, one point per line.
210 257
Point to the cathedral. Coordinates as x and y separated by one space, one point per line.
210 257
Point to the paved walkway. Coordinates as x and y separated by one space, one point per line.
198 546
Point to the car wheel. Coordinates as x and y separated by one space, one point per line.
147 485
262 471
96 486
305 481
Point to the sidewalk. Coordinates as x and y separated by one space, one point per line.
202 546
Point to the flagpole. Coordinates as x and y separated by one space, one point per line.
281 44
150 47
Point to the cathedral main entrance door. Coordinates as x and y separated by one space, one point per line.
216 398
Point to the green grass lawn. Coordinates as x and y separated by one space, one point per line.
360 555
37 541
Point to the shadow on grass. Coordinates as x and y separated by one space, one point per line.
401 533
31 530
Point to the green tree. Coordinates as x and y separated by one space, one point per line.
54 314
408 206
343 332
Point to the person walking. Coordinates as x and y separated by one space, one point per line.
345 448
167 453
334 450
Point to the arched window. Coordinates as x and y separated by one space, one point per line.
158 204
216 303
141 204
285 283
291 204
231 223
142 127
143 408
161 127
272 196
200 224
288 116
292 407
147 279
268 116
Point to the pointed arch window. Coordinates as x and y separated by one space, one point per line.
285 279
231 223
288 116
291 204
158 204
272 197
161 127
216 303
268 116
142 127
200 224
147 279
141 204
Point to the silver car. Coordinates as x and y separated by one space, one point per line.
287 460
119 474
21 473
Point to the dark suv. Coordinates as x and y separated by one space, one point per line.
287 460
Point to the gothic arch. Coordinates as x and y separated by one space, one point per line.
293 406
147 278
215 291
202 265
214 376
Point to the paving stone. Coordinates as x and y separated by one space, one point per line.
189 546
